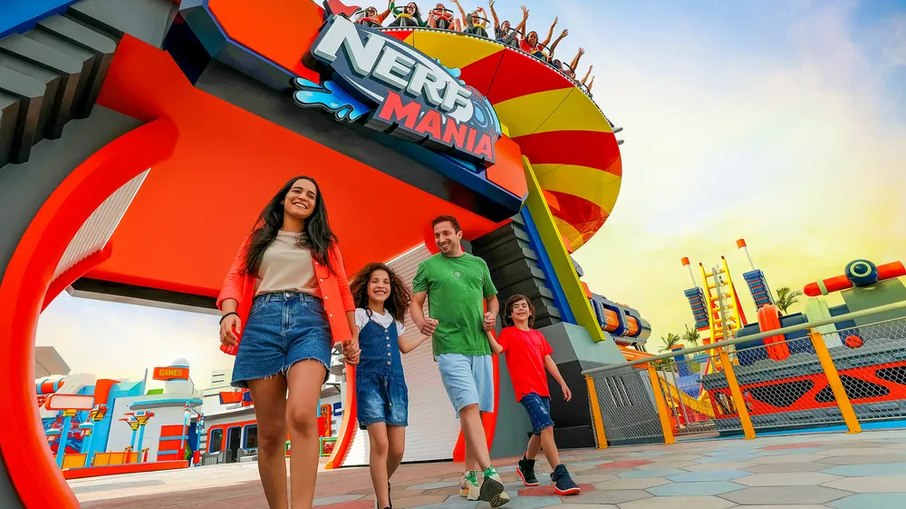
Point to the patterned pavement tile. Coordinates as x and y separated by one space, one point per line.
694 488
801 458
857 451
337 499
871 501
714 475
593 478
618 497
780 468
866 459
787 479
356 504
708 467
548 491
785 495
803 445
583 506
873 484
653 472
417 501
624 464
727 459
432 485
631 484
872 469
679 503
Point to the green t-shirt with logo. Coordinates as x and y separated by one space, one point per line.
456 290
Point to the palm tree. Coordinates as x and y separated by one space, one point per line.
691 335
786 297
671 340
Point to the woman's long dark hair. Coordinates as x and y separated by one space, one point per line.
400 296
317 236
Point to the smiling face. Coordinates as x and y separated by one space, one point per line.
505 25
300 200
371 12
448 240
378 286
411 8
520 311
532 38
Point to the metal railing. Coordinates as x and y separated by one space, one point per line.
840 370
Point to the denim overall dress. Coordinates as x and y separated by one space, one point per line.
381 392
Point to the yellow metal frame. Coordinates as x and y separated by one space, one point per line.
833 379
559 256
596 416
661 401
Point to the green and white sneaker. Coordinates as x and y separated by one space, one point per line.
492 490
468 486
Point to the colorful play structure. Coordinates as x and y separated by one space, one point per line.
122 134
103 426
780 377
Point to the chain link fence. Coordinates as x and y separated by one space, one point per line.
781 380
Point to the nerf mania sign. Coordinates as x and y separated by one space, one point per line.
171 374
401 90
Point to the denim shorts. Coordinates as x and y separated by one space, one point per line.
539 411
381 397
469 380
282 329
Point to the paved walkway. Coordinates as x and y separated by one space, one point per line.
864 471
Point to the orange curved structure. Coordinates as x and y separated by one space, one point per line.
206 153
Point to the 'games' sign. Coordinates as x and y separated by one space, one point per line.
405 90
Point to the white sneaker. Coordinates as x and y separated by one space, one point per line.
469 487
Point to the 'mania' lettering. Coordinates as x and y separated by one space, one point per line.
455 134
483 148
393 111
343 33
430 124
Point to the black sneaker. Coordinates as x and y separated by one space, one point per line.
563 483
526 471
492 490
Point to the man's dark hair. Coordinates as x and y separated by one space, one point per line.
451 219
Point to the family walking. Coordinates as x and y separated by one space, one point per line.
287 301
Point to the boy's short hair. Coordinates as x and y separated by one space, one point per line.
508 310
442 219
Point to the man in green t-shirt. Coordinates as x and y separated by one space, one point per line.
456 285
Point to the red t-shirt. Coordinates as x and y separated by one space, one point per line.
525 352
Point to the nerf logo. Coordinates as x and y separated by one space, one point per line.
412 95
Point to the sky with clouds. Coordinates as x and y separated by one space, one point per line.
781 122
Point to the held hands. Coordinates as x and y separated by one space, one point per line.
567 394
490 321
429 326
351 350
229 327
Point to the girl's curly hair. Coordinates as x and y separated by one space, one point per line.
400 296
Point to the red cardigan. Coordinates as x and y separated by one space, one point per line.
334 287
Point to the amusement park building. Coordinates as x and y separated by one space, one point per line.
139 138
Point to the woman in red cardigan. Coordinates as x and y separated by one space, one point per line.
287 299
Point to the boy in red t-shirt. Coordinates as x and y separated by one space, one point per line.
527 356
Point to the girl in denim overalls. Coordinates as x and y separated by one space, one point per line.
382 398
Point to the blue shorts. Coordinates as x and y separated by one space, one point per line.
469 380
381 397
281 330
539 411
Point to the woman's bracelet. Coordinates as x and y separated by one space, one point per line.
222 318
